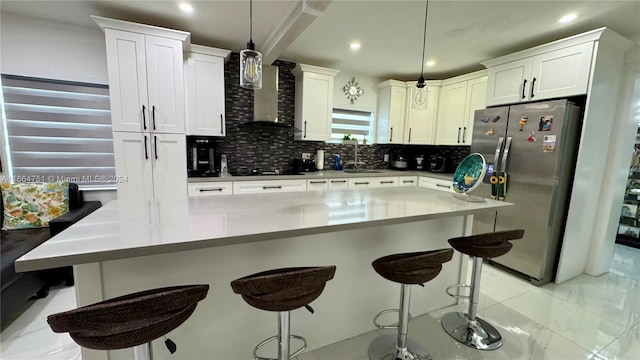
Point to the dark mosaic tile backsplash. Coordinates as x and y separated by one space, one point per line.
269 148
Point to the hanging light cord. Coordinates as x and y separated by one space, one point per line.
424 44
251 21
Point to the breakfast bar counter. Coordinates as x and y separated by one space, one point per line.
126 247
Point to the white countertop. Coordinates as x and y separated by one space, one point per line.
326 174
124 229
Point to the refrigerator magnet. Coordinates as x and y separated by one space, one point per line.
484 120
496 118
490 132
532 137
549 143
545 123
523 122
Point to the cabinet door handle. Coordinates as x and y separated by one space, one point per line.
386 182
464 134
533 85
407 181
221 124
318 182
524 85
459 129
409 135
212 189
272 187
153 116
305 130
338 181
155 146
146 154
444 186
391 134
361 183
144 117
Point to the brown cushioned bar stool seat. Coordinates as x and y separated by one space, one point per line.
408 269
132 320
467 328
283 290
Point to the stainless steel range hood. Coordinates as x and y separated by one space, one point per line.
265 100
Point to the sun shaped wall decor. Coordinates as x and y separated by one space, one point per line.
352 90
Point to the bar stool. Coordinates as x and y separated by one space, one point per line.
407 269
468 328
283 290
132 320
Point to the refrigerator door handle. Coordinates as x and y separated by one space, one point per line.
505 157
496 157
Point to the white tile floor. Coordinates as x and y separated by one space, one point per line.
584 318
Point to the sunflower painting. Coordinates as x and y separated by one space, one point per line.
33 205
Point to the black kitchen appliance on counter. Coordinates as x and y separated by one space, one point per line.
200 157
437 164
399 162
304 165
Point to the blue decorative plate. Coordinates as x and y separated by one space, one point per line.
469 173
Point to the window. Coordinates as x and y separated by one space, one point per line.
355 123
58 131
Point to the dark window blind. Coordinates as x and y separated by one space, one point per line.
58 131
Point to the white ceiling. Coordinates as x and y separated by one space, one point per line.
460 34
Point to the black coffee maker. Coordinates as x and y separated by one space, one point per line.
200 157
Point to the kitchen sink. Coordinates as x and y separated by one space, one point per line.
362 171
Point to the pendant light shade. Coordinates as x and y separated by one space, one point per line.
421 94
250 60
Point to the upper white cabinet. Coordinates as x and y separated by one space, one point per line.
459 98
420 124
146 82
204 67
392 103
540 73
314 102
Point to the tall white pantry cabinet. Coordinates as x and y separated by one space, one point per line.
146 86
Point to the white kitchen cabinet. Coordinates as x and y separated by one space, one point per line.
549 72
436 184
460 97
387 181
212 188
338 184
205 113
147 165
146 82
264 186
314 102
317 184
420 120
391 112
373 182
407 181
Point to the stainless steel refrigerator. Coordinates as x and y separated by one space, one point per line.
536 145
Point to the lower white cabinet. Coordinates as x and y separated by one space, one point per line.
407 181
210 188
317 184
255 187
147 164
436 184
373 182
338 184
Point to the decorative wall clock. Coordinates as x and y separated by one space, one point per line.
352 90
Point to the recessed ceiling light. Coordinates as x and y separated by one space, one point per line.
430 63
355 45
567 18
187 8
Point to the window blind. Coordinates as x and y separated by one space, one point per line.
58 131
355 123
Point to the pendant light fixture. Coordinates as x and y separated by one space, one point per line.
250 60
421 93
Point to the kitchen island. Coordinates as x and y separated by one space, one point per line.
130 246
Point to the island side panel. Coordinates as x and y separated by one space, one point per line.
224 325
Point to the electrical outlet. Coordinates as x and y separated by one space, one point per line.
306 155
386 157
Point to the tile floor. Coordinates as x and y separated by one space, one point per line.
585 318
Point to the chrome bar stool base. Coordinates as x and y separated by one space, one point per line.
384 348
477 334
